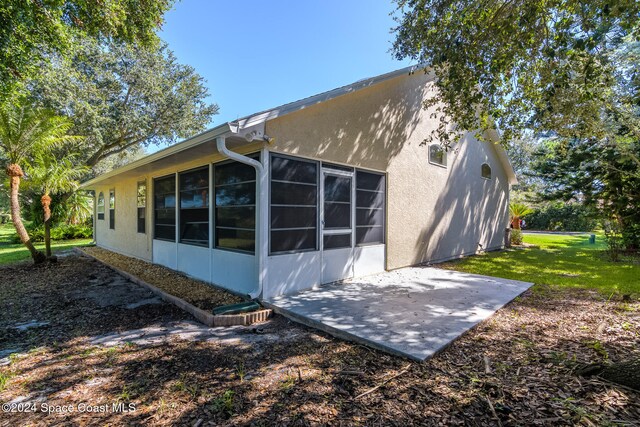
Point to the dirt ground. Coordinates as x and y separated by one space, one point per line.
514 369
193 291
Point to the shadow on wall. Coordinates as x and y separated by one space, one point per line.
367 128
470 213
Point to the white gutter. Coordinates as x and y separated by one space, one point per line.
262 243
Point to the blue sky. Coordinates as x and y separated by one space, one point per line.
260 54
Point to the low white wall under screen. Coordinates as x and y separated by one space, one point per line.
290 273
234 271
368 260
165 253
195 261
336 265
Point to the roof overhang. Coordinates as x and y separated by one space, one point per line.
201 145
301 104
494 136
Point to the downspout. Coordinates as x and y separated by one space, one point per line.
262 246
94 218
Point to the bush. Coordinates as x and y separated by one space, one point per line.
59 232
516 236
631 237
562 217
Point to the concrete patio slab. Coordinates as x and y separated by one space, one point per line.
412 312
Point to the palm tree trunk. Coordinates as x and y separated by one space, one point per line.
46 207
515 223
15 173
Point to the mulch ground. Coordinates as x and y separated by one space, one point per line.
516 368
191 290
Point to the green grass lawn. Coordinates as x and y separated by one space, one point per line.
557 260
12 252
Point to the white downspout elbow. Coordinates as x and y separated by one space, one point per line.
261 250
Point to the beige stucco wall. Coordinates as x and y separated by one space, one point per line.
433 213
124 238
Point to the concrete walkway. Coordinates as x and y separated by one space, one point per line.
412 312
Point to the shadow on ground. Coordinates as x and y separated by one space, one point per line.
516 366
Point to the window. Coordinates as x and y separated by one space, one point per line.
142 206
437 155
370 205
164 207
485 171
112 209
293 204
100 206
194 207
235 206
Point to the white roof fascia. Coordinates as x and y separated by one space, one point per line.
494 135
272 113
169 151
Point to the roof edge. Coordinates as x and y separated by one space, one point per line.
300 104
494 134
166 152
241 124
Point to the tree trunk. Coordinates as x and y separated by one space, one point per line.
515 223
15 173
626 373
46 208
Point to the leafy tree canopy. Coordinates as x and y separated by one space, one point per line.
121 96
32 29
544 65
602 175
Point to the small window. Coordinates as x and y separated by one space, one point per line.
486 171
142 206
370 206
194 207
437 155
235 206
100 206
293 205
112 209
164 207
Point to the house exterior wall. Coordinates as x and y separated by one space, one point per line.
209 265
124 238
433 213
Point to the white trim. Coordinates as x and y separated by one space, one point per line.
263 116
169 151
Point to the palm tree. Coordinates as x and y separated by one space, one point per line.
78 208
23 130
49 175
517 211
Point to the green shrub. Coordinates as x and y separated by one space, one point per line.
562 217
516 236
58 232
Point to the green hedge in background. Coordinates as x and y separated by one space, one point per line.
561 217
59 232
